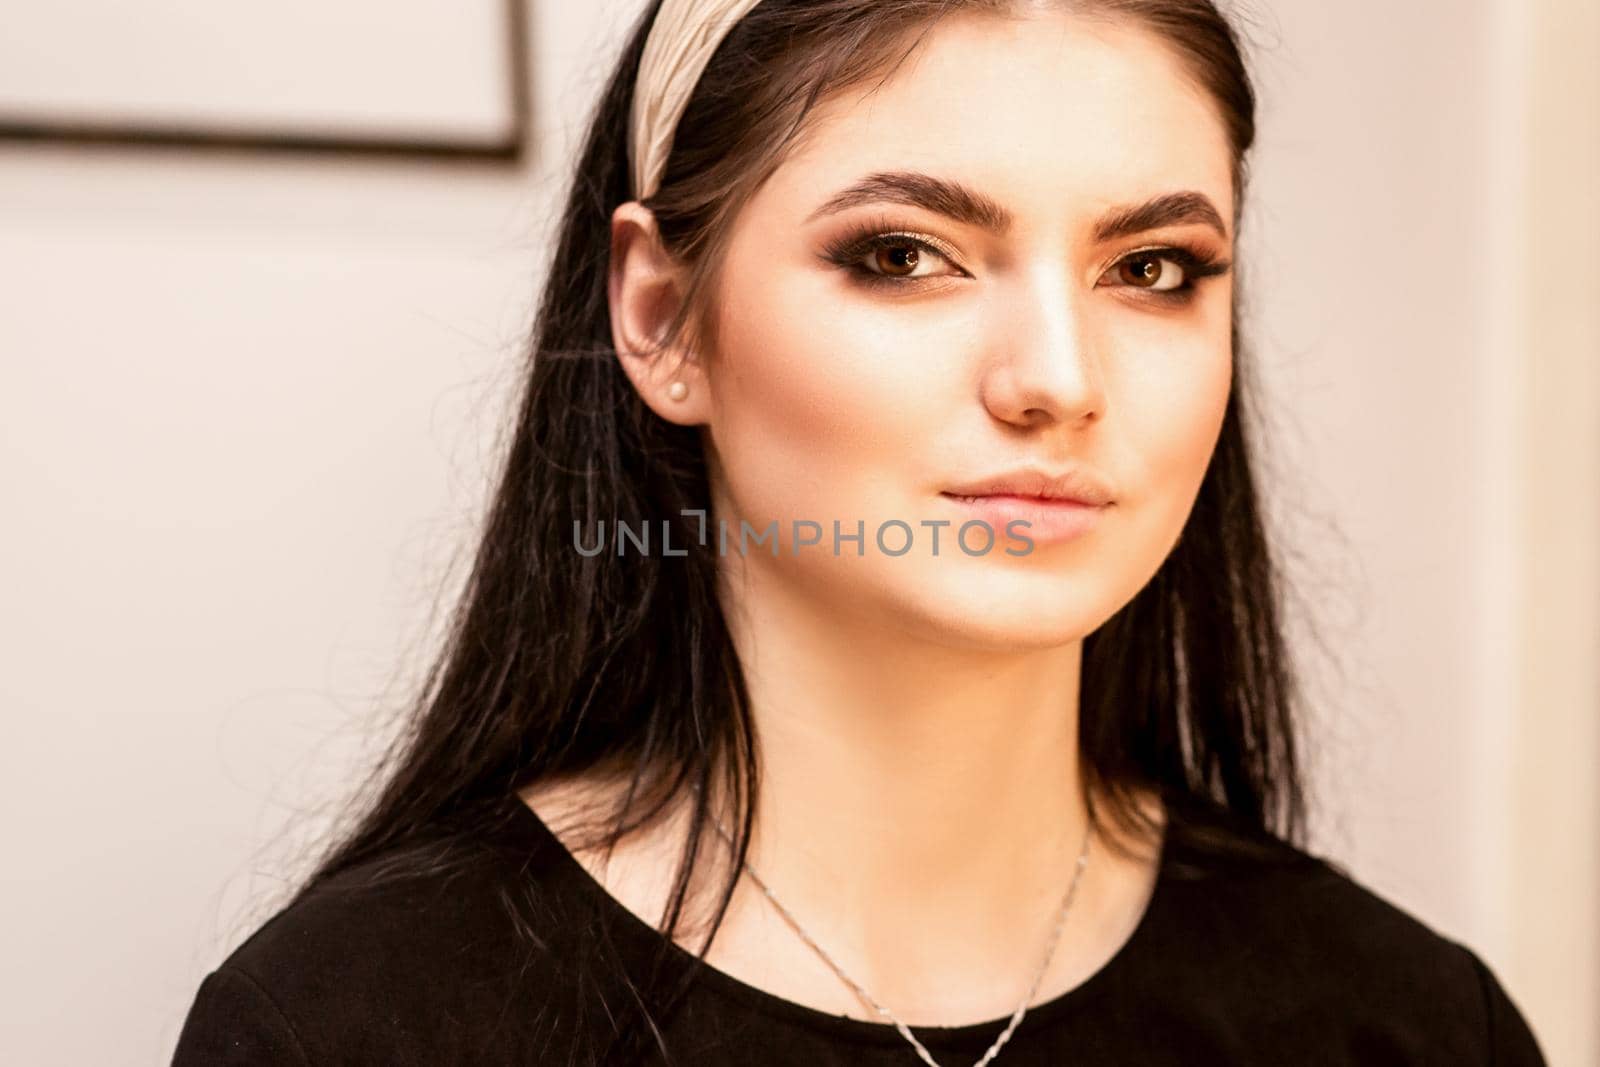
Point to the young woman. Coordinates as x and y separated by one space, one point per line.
873 652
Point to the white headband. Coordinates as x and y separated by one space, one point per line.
681 40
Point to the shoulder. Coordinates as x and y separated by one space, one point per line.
409 957
1421 990
1305 946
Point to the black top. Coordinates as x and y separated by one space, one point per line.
514 954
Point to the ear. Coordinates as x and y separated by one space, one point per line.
645 288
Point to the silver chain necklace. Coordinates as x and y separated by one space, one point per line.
905 1031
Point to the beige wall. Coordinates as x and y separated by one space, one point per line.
1551 877
1427 313
246 406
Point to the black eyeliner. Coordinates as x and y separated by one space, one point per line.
847 250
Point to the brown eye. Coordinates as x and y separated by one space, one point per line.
1149 271
892 259
896 260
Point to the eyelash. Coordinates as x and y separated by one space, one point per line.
847 251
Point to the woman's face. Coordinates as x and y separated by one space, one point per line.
1010 329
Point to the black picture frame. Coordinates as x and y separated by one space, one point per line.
510 149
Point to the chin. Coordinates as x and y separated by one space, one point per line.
1020 612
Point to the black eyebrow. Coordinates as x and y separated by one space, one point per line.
965 205
1170 209
939 195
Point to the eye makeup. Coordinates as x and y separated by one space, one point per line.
876 235
1195 261
847 251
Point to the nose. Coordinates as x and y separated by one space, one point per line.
1045 368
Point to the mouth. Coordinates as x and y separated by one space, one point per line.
1040 519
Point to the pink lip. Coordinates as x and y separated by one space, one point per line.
1077 484
1049 520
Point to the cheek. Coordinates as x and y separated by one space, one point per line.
1175 398
813 390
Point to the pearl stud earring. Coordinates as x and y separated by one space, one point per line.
678 390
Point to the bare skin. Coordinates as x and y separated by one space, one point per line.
921 806
756 946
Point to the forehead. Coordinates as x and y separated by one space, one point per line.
1051 115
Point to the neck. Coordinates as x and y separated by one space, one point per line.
920 806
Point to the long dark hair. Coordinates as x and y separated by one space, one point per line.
558 663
